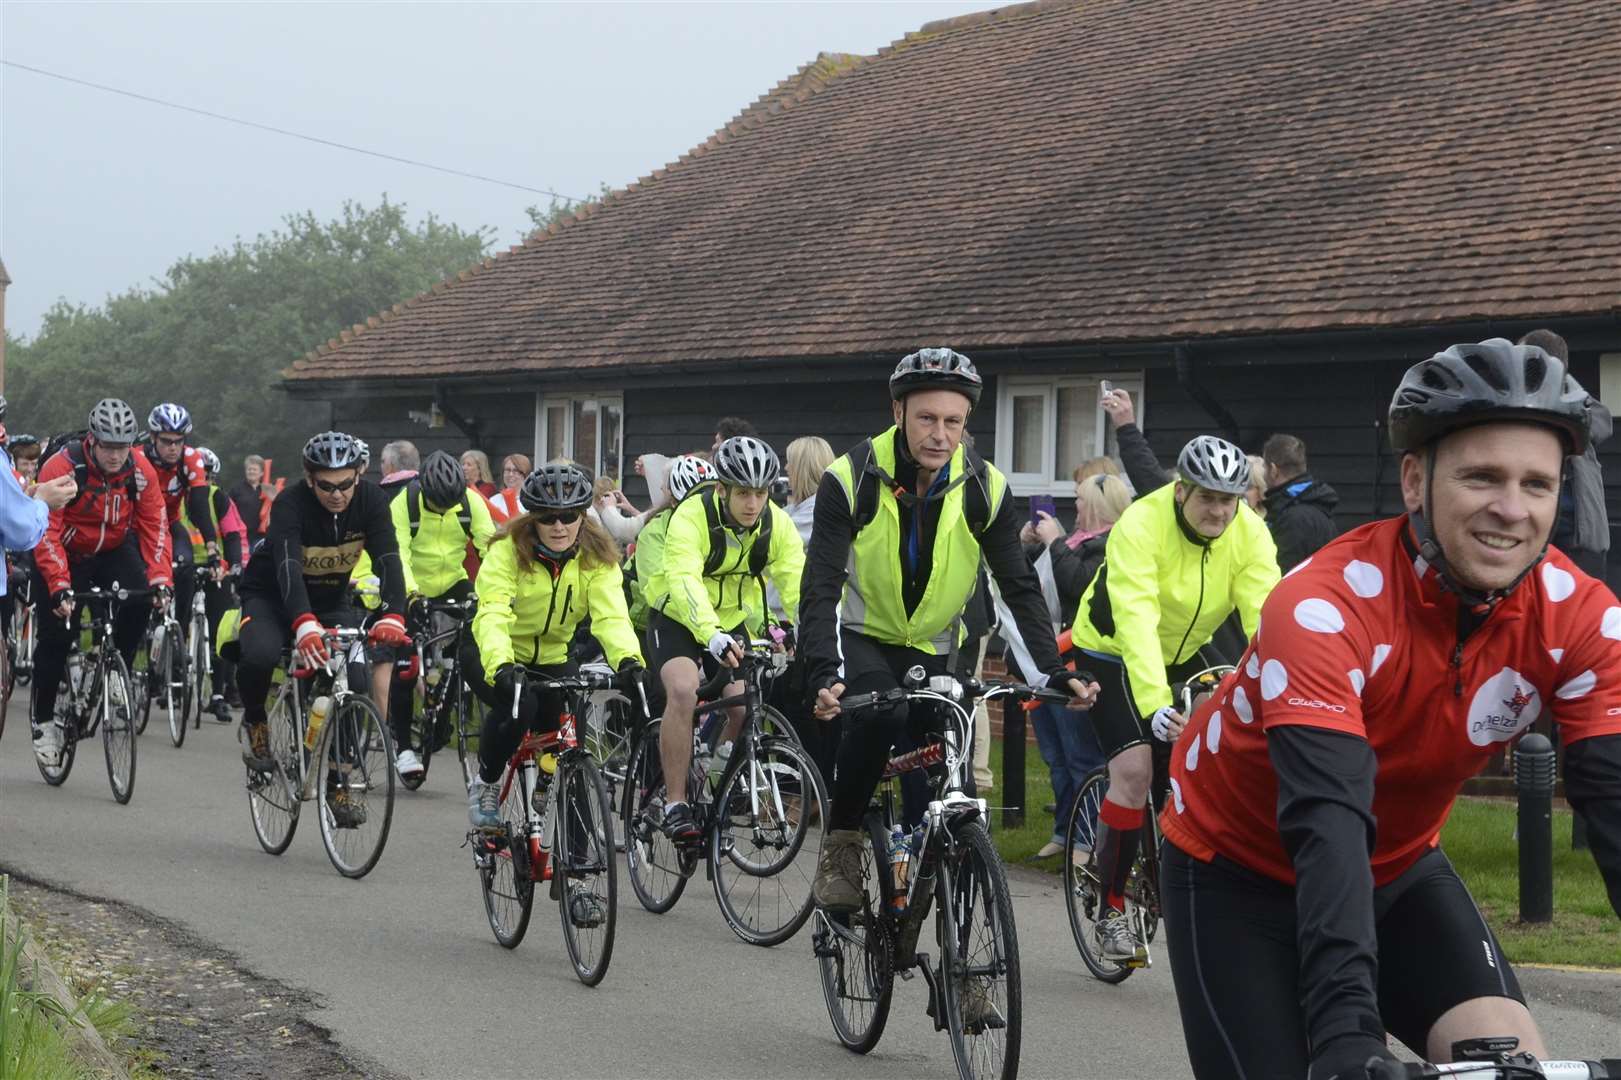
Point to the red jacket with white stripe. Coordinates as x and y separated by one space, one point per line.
101 516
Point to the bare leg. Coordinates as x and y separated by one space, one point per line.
680 676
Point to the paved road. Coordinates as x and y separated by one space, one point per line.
408 975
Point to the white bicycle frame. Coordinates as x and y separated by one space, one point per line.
350 648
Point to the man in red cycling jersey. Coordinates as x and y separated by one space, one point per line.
1309 905
182 477
112 532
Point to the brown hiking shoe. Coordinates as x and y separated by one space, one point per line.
838 885
347 812
256 755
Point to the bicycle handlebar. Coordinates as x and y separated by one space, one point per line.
1498 1070
947 686
582 681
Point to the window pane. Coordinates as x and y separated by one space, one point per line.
1029 423
613 435
556 431
1077 428
585 436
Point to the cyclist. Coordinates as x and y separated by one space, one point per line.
112 532
434 517
551 569
646 562
1388 668
25 451
218 595
902 523
719 547
183 481
298 579
1179 561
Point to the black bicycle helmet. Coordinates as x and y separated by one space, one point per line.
936 369
1476 383
332 450
20 442
113 422
443 483
556 487
744 461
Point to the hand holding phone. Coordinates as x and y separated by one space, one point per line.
1042 504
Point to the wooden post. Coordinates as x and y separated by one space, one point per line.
1013 738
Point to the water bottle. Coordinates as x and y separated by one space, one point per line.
717 766
434 674
900 867
157 641
318 710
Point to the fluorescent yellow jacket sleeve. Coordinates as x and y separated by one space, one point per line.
1134 585
686 599
497 587
610 618
402 535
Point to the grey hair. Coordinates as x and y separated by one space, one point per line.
401 455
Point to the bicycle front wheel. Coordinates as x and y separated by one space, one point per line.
179 668
273 796
356 781
767 840
56 775
114 705
654 863
979 958
585 872
1083 891
856 953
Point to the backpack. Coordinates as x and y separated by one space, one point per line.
413 510
73 443
976 499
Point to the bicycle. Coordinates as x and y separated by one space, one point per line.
1495 1059
95 694
440 700
761 823
1083 889
20 640
350 758
163 674
975 991
556 827
200 652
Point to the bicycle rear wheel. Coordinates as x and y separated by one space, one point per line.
654 863
469 727
585 871
767 841
421 736
56 775
1083 892
505 870
179 672
856 953
979 959
356 782
273 797
114 703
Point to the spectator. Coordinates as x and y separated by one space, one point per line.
1299 510
1582 529
616 513
1255 494
1098 466
808 459
399 462
250 495
476 467
504 503
730 426
1142 467
25 451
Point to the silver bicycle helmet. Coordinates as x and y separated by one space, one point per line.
113 422
169 419
1493 380
936 369
746 462
1214 464
687 472
332 450
443 482
556 487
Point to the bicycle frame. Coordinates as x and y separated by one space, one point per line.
348 642
523 769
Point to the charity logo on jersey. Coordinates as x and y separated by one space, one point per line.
1503 706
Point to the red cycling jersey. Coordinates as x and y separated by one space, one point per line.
175 480
100 516
1361 639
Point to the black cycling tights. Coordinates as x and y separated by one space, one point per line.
501 734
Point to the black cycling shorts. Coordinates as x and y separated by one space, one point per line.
1115 717
1236 962
668 639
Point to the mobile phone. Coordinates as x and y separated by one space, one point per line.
1105 388
1040 504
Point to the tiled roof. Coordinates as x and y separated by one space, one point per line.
1114 170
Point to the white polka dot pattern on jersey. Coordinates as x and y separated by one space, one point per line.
1319 616
1274 679
1380 654
1252 667
1213 733
1299 566
1192 759
1176 795
1579 687
1365 579
1358 680
1557 654
1559 583
1241 705
1611 626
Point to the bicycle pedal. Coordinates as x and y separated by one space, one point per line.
1141 960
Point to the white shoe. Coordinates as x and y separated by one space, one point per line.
408 763
48 747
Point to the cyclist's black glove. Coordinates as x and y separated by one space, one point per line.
630 673
160 596
416 610
1347 1057
59 597
508 678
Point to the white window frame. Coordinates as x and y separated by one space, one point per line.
1010 386
545 399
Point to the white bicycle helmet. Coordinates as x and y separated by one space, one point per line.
687 472
1214 464
746 462
211 461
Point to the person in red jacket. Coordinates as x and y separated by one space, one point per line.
183 479
115 531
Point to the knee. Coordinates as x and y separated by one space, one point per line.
1132 770
681 685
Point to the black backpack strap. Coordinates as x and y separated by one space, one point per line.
413 506
973 478
717 532
976 503
464 514
864 500
760 553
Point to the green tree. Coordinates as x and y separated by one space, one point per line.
215 333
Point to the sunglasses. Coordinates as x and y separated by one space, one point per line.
559 517
335 489
171 440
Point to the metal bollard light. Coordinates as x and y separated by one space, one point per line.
1533 778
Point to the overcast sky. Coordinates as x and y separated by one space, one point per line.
100 192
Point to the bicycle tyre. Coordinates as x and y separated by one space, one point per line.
652 859
117 728
179 719
469 726
198 665
991 1053
1082 890
57 775
8 683
581 788
863 942
273 797
505 875
142 687
767 850
420 733
356 728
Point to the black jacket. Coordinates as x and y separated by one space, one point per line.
309 553
1300 514
1073 568
1142 467
246 498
